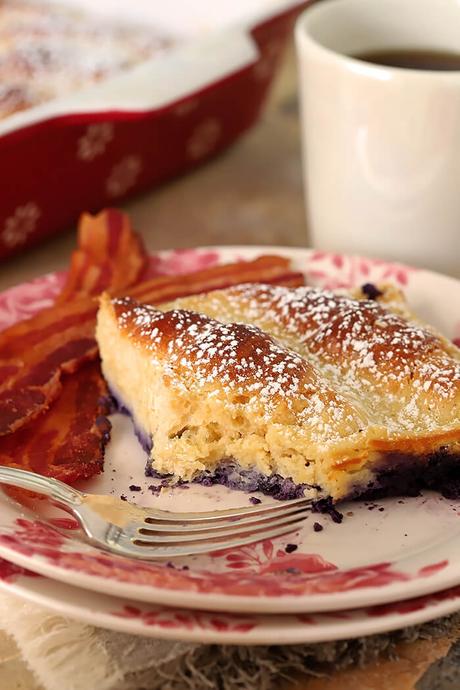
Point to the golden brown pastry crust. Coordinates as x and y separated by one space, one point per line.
401 372
324 386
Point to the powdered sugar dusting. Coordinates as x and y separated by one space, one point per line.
303 383
47 51
248 366
403 376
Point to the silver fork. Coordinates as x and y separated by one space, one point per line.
149 533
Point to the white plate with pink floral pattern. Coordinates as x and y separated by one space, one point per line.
382 552
208 627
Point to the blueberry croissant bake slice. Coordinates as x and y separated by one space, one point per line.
288 390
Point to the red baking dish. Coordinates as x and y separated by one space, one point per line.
134 131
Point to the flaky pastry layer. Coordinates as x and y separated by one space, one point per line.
318 386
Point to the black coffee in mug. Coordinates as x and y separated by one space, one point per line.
409 58
381 144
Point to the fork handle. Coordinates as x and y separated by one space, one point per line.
53 488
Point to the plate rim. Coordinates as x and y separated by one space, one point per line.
246 603
300 633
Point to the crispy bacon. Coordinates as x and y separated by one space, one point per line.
34 354
32 392
66 442
60 339
48 325
265 269
109 256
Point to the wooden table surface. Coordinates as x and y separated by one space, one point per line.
252 194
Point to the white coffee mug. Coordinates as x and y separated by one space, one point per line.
381 145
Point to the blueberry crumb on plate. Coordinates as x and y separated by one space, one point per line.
254 500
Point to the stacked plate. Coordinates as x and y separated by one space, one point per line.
389 564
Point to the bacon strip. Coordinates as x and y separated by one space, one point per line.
67 441
109 256
36 353
264 269
60 339
29 394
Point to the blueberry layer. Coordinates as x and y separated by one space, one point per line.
119 406
400 474
229 473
